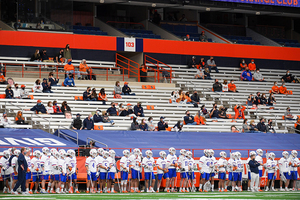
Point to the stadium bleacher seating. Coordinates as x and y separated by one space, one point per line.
140 33
241 39
287 43
88 30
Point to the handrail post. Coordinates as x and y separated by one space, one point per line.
106 74
57 71
23 66
40 70
128 68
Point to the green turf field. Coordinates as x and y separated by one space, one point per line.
162 195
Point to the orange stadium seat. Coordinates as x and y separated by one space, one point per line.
2 96
98 127
150 107
78 98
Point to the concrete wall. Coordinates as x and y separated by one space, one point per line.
159 31
111 31
260 38
4 26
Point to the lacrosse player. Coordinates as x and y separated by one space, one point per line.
5 171
172 165
235 173
272 167
14 165
63 169
55 170
124 166
45 168
239 171
204 166
162 171
284 170
28 173
213 165
259 159
192 166
112 172
51 180
148 163
222 164
104 169
181 159
91 169
135 165
72 166
35 169
294 164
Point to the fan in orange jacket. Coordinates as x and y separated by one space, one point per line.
199 119
252 66
243 64
239 112
275 88
282 89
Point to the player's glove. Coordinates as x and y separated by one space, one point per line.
289 173
97 174
201 171
190 173
89 173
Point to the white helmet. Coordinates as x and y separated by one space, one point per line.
162 154
235 155
17 152
112 153
6 153
259 152
62 153
189 154
252 153
100 151
105 154
294 153
172 150
183 152
52 151
73 153
149 153
69 152
126 152
136 151
239 154
37 153
223 154
93 152
205 151
285 154
27 149
272 155
212 153
45 150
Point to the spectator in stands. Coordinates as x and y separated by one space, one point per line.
178 126
83 70
201 64
192 63
88 123
97 117
174 96
156 18
234 129
204 111
239 112
195 98
187 38
112 111
135 125
16 92
257 100
212 64
59 58
261 126
288 115
217 87
9 93
225 86
150 124
68 115
36 56
162 125
122 111
189 119
297 125
203 37
232 86
245 126
102 96
23 93
44 55
282 89
17 24
246 75
171 17
5 121
183 18
107 120
19 119
65 107
222 112
188 100
271 99
50 109
37 87
288 77
207 74
138 110
87 95
94 94
214 112
39 108
250 100
53 81
252 65
182 98
38 26
143 125
264 99
69 81
258 76
199 73
2 79
199 119
117 90
67 52
56 108
275 88
126 89
270 128
243 64
143 73
77 123
69 67
46 86
253 127
130 110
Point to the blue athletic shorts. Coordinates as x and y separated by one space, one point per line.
260 173
63 178
271 175
35 177
135 174
191 175
205 176
287 176
222 175
160 176
294 175
15 177
212 174
92 176
124 175
111 175
45 177
55 177
103 175
5 177
28 175
230 176
183 174
148 175
249 175
74 177
237 176
172 173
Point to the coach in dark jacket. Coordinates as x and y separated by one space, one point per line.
253 164
88 123
21 171
138 110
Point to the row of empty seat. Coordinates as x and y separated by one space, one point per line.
140 33
241 39
89 30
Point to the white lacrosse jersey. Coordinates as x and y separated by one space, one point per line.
284 165
171 160
259 159
125 163
149 163
54 166
63 165
104 163
28 160
91 163
229 164
112 164
14 163
184 163
271 164
234 164
45 160
72 162
135 161
5 164
192 164
247 164
35 164
205 162
240 165
162 163
222 162
294 161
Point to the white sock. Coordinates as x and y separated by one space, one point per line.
112 189
212 186
200 186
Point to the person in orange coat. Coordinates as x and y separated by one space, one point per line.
199 119
239 112
275 88
102 96
243 64
232 87
252 65
83 69
282 89
2 79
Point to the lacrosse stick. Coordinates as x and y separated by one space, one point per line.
189 185
91 179
151 177
71 185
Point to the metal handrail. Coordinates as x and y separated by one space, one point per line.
41 118
87 142
12 105
58 133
